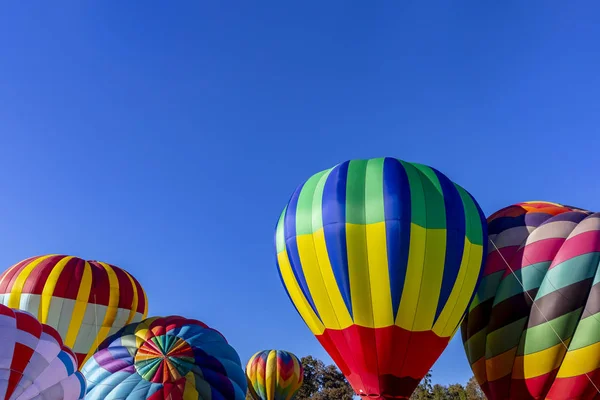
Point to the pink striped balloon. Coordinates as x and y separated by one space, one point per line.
274 375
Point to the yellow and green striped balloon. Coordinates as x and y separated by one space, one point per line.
274 375
381 258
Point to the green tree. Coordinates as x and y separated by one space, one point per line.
326 382
473 390
312 373
424 390
440 392
456 391
323 382
428 391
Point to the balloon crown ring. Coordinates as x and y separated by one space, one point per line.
164 358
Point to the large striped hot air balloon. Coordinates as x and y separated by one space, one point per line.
34 363
274 375
381 258
84 300
170 358
533 329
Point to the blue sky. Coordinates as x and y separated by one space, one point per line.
166 137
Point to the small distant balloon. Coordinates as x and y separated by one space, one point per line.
85 301
170 358
274 375
34 362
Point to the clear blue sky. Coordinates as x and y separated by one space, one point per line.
165 137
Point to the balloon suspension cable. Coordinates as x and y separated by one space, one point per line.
537 307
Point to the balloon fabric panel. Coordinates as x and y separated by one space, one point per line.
381 258
274 375
86 301
535 333
170 358
34 363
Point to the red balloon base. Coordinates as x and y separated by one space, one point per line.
383 363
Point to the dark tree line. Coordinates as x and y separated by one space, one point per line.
427 391
326 382
323 382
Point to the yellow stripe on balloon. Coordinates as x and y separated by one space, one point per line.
444 319
135 300
342 313
270 374
473 270
299 378
453 311
49 286
142 329
314 279
539 363
358 272
189 391
83 296
412 282
580 361
298 298
433 272
113 304
379 275
6 273
14 301
145 302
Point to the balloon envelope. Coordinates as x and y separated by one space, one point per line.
533 329
85 301
34 363
381 258
274 375
171 358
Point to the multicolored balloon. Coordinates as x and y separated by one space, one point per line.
171 358
381 258
34 363
86 301
533 329
274 375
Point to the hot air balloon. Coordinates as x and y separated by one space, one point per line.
171 358
34 363
274 375
381 258
533 329
84 300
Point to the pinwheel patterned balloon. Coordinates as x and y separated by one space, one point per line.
170 358
533 329
85 301
34 363
274 375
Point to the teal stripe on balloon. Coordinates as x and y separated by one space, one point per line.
569 272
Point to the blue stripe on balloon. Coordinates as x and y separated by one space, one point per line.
67 361
334 228
292 247
397 209
82 384
485 244
455 238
